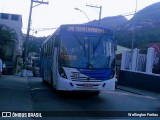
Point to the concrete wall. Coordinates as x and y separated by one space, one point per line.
150 82
131 75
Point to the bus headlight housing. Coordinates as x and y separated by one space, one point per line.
62 72
112 74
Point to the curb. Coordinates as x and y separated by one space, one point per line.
129 91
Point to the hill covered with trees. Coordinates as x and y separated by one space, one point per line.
144 26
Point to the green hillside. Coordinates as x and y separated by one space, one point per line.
146 29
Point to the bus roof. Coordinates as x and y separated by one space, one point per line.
81 29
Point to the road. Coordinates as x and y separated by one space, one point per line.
30 94
46 99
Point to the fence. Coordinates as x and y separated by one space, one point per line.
136 61
140 70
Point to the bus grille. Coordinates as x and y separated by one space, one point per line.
88 79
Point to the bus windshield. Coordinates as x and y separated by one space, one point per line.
87 51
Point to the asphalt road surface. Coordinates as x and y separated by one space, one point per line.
30 94
44 98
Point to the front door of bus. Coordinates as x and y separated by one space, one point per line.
55 67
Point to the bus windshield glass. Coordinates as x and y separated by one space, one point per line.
87 51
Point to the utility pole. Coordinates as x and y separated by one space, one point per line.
27 36
134 26
100 11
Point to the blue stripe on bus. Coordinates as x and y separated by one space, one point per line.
104 74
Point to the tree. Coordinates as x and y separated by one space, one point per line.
8 36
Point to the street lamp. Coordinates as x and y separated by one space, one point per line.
83 13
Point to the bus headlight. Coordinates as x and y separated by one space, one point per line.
112 74
62 72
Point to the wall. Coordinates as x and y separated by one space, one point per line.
137 70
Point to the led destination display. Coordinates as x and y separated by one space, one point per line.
86 30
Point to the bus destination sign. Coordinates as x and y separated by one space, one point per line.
87 30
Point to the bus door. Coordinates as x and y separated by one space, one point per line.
55 62
54 68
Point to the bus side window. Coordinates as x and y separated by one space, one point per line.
57 41
52 48
46 50
49 47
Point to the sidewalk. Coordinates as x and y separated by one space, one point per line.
11 88
139 91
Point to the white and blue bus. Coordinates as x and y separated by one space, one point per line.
79 58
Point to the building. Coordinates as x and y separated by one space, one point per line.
13 52
14 21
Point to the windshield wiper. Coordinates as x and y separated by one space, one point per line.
81 44
99 40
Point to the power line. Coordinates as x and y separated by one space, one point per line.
100 10
124 14
43 29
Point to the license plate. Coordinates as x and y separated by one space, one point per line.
87 85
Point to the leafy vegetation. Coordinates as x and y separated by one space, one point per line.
146 28
35 43
8 37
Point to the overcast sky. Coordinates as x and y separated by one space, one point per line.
59 12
